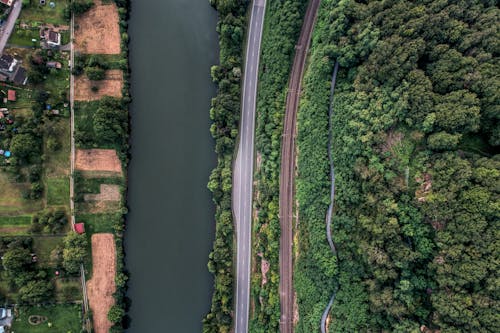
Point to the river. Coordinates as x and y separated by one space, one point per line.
170 227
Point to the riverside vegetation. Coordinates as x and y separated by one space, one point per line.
415 144
105 124
225 113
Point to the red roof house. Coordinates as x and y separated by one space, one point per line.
79 228
11 95
7 2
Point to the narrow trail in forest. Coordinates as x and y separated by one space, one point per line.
332 195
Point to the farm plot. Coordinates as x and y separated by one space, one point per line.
101 287
98 31
87 90
98 160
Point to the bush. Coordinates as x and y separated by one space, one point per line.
95 73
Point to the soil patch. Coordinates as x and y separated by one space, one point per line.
101 287
98 31
98 160
111 86
107 193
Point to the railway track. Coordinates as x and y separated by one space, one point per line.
288 169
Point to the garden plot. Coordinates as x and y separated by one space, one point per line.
98 161
98 31
101 287
87 90
107 200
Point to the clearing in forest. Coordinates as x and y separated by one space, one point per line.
98 160
111 86
98 31
101 287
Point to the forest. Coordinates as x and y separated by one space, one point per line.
415 151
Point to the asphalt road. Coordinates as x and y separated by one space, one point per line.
287 172
243 168
8 26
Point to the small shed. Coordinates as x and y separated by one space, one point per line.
11 95
54 64
80 228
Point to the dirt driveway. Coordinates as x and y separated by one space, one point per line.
101 287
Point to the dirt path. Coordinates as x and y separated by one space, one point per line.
288 167
101 287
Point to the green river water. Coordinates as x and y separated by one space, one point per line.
170 225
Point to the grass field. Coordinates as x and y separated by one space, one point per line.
23 37
84 112
21 220
43 246
69 289
11 198
15 225
97 223
63 318
57 163
58 191
36 13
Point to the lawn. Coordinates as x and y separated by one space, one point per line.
22 220
15 225
43 246
92 185
98 223
84 112
6 292
62 318
37 14
68 290
57 191
23 37
57 162
11 198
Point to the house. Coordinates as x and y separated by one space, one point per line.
80 228
52 38
11 95
11 70
54 64
5 318
7 63
7 2
21 76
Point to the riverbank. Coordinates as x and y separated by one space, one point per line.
101 132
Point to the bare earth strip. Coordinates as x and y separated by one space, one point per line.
97 30
101 287
111 86
98 160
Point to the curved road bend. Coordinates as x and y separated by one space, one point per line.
243 168
287 172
